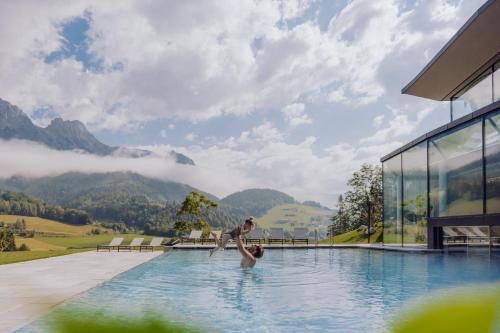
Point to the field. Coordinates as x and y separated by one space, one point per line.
56 238
18 256
48 226
290 216
355 237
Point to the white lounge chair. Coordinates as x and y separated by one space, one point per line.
277 236
256 235
135 243
115 242
156 241
193 236
211 237
300 235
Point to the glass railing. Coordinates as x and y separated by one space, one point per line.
484 90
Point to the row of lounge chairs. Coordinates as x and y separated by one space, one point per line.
195 236
299 235
135 244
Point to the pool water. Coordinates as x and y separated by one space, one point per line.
324 290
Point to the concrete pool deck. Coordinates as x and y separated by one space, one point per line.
32 288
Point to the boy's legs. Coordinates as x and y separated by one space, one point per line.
221 243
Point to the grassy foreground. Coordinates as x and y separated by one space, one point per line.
19 256
56 239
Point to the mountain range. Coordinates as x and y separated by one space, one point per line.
65 135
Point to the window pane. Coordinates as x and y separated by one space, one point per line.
492 156
496 82
415 195
392 200
455 172
473 97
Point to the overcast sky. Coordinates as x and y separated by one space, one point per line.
291 95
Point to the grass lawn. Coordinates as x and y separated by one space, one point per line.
290 216
18 256
49 226
355 237
35 244
58 239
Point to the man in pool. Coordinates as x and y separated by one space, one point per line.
251 254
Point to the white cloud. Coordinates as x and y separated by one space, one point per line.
163 133
377 121
295 115
266 133
400 125
192 60
17 157
191 136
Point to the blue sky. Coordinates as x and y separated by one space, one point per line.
292 95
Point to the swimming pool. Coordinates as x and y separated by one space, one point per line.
324 290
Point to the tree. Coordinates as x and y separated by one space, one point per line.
341 221
192 208
362 203
7 242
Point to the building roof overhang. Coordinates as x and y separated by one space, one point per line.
471 50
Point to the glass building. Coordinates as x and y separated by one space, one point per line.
443 188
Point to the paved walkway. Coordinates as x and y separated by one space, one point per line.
32 288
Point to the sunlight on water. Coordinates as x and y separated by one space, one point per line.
288 290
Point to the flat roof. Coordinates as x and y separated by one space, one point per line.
472 49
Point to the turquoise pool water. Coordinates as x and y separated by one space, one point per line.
339 290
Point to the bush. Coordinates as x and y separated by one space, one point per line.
7 242
23 247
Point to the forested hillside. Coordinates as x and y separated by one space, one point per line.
12 203
72 189
256 202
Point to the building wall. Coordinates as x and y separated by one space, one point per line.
451 175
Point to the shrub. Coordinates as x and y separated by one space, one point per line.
7 242
23 247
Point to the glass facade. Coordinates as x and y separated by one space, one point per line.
453 174
392 201
492 160
415 194
474 96
496 82
456 172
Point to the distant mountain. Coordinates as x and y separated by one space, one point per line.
64 135
256 202
73 188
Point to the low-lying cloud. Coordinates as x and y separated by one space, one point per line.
221 168
29 159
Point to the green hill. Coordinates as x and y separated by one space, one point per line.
256 202
290 216
71 189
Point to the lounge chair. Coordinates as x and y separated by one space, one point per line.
115 242
193 237
300 235
135 243
256 235
156 241
211 237
277 236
